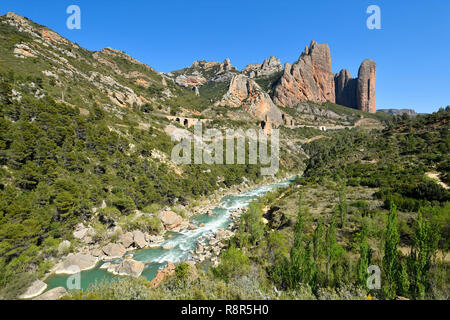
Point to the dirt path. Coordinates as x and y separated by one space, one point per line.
435 176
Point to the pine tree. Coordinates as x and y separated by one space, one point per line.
390 258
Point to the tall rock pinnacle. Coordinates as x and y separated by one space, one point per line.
365 92
308 79
357 93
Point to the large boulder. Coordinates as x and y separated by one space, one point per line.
170 220
127 239
308 79
130 267
53 294
114 250
139 239
75 263
36 288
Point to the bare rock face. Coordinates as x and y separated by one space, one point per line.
308 79
162 274
190 80
345 89
246 92
268 67
251 69
365 92
226 66
357 93
202 72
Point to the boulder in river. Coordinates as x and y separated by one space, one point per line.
36 288
127 239
75 263
114 250
139 239
171 220
130 267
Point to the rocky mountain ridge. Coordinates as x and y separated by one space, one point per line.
127 82
311 79
398 112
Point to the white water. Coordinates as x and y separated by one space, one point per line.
182 242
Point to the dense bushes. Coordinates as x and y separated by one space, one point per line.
395 161
56 165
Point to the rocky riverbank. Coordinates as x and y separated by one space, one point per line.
210 246
119 244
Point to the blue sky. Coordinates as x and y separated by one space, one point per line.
412 50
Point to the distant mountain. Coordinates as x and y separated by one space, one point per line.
399 112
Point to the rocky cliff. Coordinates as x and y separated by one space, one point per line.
345 89
203 71
357 93
246 92
365 91
308 79
268 67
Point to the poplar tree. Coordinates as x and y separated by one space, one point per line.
390 258
332 248
318 245
297 249
364 256
424 249
342 207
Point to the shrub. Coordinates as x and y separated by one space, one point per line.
233 264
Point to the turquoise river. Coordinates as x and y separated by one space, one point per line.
182 243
